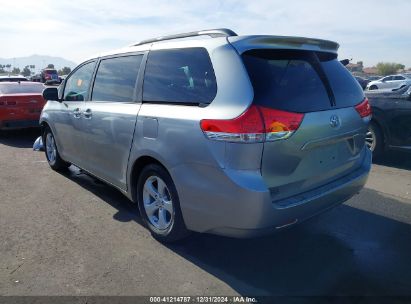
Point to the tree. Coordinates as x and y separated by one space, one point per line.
64 71
386 68
15 71
26 71
50 66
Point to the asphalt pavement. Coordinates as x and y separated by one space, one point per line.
67 234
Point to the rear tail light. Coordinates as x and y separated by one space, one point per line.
256 124
364 108
280 124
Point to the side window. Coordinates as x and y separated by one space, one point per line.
78 84
398 78
116 79
179 76
387 78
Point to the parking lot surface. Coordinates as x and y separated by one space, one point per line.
67 234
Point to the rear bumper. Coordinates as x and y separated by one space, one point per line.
242 207
18 124
304 207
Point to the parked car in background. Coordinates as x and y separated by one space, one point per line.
20 104
49 75
389 82
52 83
12 78
374 77
390 126
231 135
36 78
62 77
362 81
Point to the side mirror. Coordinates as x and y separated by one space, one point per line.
51 94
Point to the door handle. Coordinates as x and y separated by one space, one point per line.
87 114
76 113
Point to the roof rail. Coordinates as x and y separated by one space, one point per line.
222 32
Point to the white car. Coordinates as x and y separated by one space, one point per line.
390 82
12 78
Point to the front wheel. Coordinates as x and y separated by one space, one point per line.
159 204
52 153
373 87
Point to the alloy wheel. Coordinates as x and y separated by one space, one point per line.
51 149
370 139
158 204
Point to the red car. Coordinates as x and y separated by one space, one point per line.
20 104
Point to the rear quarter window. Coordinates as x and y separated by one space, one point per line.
181 76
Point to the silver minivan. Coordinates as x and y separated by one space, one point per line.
213 132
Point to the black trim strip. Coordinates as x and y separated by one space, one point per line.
315 62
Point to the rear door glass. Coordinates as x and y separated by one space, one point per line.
116 79
181 76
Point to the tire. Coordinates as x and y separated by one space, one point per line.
159 204
373 87
51 151
375 140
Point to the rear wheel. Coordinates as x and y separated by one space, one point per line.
52 154
159 204
374 140
373 87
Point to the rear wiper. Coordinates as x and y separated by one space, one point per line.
315 62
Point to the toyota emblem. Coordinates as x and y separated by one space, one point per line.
335 121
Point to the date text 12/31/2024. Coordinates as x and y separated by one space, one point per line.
203 299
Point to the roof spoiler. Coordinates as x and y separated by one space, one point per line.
245 43
222 32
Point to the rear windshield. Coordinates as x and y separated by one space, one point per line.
346 89
300 81
14 79
16 88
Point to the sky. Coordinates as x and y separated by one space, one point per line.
367 30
